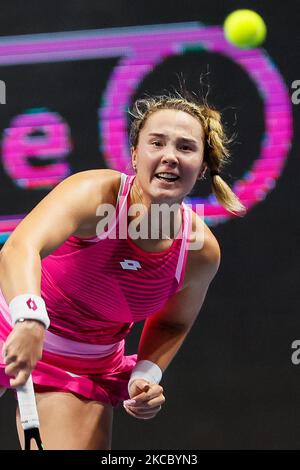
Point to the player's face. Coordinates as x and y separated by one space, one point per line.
169 155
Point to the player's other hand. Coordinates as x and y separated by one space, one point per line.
146 399
22 349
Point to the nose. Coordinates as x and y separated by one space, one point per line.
169 156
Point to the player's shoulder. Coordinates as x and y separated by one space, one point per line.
103 183
97 176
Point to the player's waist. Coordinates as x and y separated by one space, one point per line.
67 347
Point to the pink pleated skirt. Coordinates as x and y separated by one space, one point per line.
103 379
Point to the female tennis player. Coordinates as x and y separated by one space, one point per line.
71 292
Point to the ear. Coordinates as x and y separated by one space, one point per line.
202 171
133 157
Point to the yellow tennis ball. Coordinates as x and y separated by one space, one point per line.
245 28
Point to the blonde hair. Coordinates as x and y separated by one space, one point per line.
216 153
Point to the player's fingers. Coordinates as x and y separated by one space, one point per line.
14 367
158 401
129 411
142 414
20 379
147 412
9 358
154 391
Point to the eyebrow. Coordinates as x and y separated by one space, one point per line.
158 134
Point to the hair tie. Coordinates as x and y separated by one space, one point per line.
214 173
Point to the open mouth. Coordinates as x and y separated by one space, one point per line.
167 177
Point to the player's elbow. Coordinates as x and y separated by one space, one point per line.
215 260
210 258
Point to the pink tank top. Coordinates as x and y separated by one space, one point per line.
96 288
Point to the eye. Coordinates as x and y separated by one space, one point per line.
156 143
186 148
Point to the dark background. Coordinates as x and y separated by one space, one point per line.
232 384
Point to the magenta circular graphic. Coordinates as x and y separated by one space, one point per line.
149 48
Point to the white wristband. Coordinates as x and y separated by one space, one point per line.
29 307
146 370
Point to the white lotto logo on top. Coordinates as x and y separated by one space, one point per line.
130 264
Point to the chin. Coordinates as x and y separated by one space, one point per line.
167 196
